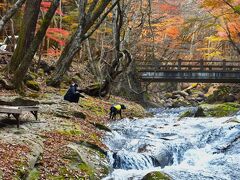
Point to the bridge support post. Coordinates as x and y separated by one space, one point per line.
179 64
201 64
224 64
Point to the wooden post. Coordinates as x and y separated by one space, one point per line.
224 64
201 64
17 118
179 64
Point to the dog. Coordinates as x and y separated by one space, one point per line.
116 109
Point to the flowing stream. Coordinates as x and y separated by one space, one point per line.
186 149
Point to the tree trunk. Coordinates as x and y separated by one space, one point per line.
89 21
27 32
66 58
119 56
9 14
26 62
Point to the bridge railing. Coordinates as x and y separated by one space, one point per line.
190 65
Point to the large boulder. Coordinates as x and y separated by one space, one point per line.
156 175
220 110
230 98
18 101
89 158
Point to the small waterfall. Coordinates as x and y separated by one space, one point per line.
132 160
190 149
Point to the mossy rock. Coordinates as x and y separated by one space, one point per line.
134 110
87 169
80 115
180 102
199 112
94 107
92 146
219 94
168 95
156 175
91 162
30 76
33 85
101 126
34 95
70 132
34 175
220 110
186 114
41 72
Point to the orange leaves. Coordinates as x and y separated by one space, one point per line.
11 155
232 28
57 34
173 32
167 8
45 6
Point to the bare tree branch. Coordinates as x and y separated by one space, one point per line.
9 14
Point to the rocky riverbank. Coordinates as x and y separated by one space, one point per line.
64 144
197 94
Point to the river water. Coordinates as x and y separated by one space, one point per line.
186 149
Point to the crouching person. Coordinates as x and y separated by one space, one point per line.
116 109
73 94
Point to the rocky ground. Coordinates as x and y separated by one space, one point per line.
65 143
197 94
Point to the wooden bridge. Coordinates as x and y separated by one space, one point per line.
207 71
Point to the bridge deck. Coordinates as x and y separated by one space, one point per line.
191 71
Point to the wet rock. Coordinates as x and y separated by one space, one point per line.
156 175
143 148
164 156
169 102
199 99
101 126
199 112
186 114
230 98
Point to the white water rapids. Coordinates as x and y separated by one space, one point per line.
189 149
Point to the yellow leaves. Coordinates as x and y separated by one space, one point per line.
214 38
204 49
216 54
212 4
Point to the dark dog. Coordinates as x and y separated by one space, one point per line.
116 109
